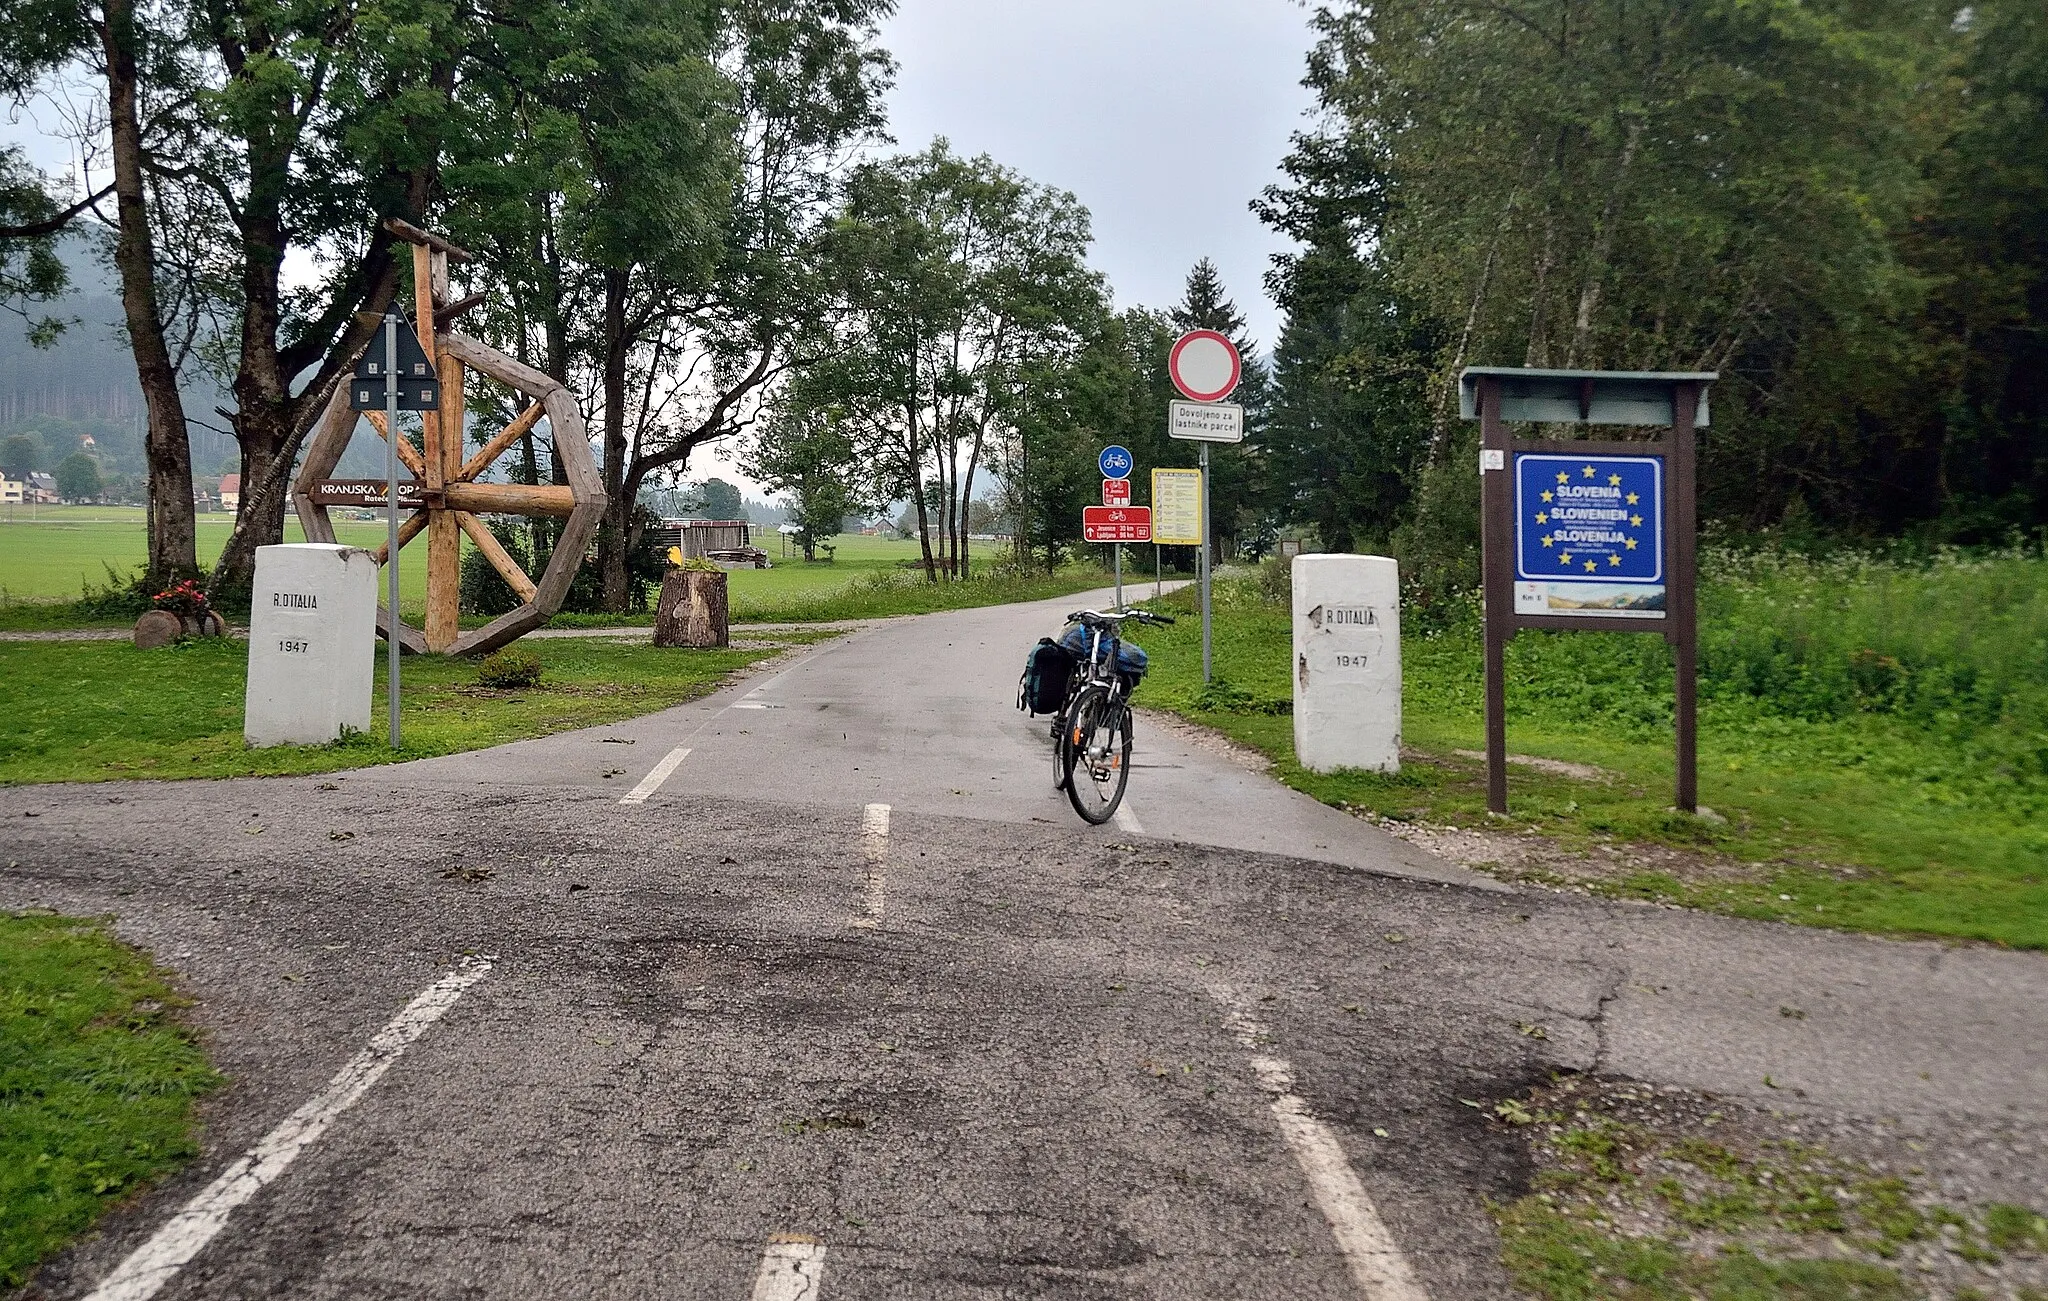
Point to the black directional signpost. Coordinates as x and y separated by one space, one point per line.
1579 533
395 375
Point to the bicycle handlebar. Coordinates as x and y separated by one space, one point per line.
1085 617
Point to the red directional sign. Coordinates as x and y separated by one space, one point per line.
1116 492
1116 523
1204 366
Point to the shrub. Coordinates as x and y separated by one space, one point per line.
483 591
509 669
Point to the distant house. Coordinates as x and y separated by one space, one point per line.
13 487
231 492
42 488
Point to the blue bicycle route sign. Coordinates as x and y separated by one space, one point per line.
1589 535
1116 462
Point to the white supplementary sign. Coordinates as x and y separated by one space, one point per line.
1177 508
1205 422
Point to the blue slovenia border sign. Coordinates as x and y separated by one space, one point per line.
1116 462
1589 535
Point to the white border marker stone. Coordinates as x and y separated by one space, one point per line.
172 1247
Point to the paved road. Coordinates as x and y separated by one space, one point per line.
849 1004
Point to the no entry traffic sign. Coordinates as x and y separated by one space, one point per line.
1204 366
1116 523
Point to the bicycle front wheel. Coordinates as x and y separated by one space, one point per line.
1059 750
1098 760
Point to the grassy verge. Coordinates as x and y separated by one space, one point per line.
97 1082
1655 1194
51 568
1906 819
104 711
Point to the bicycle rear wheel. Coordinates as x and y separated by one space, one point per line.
1098 759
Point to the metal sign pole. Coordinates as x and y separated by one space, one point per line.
391 517
1117 549
1202 565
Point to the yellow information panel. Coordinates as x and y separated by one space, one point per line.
1177 508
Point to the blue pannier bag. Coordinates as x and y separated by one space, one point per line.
1131 661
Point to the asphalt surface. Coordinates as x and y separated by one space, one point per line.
964 1047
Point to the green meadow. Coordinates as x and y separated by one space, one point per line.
1873 737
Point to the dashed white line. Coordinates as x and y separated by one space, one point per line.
874 839
1129 820
158 1260
660 773
792 1269
1377 1266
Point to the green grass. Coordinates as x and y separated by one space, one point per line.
1886 772
51 556
48 560
102 711
97 1082
1660 1195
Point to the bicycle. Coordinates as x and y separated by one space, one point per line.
1091 731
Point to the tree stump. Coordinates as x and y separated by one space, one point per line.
692 610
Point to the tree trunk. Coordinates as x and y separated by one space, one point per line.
1603 248
611 533
173 552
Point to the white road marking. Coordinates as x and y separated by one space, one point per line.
792 1269
1129 820
653 780
1377 1265
157 1261
874 838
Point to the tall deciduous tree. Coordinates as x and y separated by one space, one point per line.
963 280
1597 184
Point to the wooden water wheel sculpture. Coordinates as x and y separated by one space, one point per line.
448 495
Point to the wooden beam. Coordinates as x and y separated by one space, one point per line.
413 235
572 446
492 450
444 538
408 529
407 456
330 440
494 551
509 498
447 312
499 367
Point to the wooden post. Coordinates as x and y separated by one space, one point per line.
443 461
1496 550
1684 524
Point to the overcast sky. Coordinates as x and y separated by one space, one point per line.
1166 118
